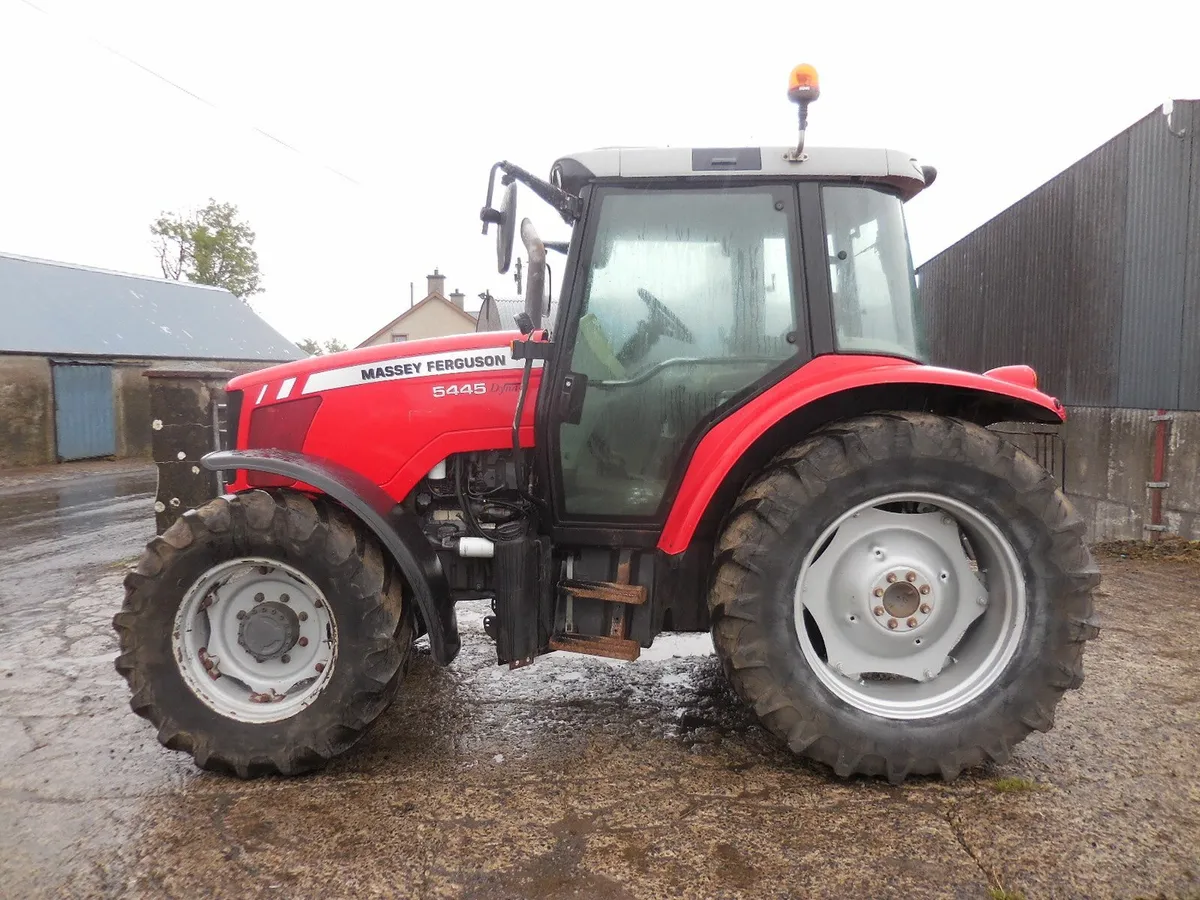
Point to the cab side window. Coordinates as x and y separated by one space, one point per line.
688 301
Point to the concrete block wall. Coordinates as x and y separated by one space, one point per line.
1109 457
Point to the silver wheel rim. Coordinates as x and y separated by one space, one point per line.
918 604
255 640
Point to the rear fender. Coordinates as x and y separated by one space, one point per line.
827 390
396 529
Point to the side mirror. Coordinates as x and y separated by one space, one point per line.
507 229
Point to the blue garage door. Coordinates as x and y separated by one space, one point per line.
83 411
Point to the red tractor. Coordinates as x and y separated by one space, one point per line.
730 425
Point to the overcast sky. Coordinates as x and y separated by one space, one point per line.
398 110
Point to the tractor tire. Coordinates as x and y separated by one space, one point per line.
245 596
871 515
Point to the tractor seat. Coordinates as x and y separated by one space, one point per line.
594 356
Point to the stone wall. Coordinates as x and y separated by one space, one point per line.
27 406
181 429
131 399
26 411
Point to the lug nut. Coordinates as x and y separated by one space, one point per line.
318 603
241 614
285 658
878 610
303 617
284 598
925 608
946 520
982 601
924 589
320 667
912 622
303 642
892 623
891 577
259 598
878 592
910 577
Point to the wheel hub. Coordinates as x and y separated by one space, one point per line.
269 631
903 599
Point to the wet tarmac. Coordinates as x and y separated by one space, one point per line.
573 777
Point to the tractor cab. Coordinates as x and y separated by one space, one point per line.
696 278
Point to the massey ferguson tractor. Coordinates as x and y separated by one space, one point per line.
729 425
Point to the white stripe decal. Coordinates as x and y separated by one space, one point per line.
450 363
285 389
261 394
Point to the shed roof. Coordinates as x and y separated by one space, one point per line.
55 308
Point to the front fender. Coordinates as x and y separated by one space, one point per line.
396 529
825 390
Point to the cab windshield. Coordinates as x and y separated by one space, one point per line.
871 273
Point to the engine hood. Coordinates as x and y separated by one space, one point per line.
458 352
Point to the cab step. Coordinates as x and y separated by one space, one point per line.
607 591
609 647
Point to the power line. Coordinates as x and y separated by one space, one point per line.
165 80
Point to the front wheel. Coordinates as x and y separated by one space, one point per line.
263 633
903 594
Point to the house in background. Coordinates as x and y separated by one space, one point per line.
75 343
435 316
1094 280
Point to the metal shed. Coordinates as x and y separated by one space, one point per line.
74 342
1093 279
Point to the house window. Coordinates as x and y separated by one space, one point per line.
399 338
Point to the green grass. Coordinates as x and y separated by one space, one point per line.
1014 785
1002 894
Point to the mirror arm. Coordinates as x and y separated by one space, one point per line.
488 215
568 205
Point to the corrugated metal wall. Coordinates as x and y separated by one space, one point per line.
1093 279
1189 338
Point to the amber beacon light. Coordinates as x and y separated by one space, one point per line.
803 88
803 85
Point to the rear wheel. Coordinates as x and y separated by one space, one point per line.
903 594
263 633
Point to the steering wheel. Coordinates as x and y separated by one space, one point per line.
671 326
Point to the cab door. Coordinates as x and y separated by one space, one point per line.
685 301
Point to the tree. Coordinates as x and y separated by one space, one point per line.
209 247
312 348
